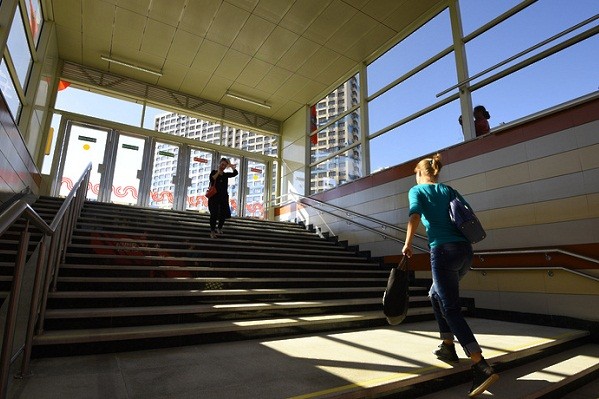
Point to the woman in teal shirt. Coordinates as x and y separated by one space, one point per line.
451 258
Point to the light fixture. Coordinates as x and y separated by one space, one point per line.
129 65
247 100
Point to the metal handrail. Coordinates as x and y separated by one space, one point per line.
502 269
383 224
480 254
59 233
537 251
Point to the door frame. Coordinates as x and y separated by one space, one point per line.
114 130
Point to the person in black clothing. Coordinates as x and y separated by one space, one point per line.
218 204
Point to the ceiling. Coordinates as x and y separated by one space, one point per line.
286 53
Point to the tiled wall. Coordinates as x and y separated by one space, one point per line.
533 185
17 169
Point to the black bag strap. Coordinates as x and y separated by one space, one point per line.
453 194
403 264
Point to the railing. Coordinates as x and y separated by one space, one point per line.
50 255
380 228
546 252
481 254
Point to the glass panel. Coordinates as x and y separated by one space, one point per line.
199 173
129 160
104 107
424 43
85 145
9 91
476 13
183 125
336 171
412 95
162 187
337 102
518 33
250 141
254 190
36 19
562 77
19 48
431 132
234 185
337 136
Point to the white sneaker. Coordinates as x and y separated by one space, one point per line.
219 231
213 234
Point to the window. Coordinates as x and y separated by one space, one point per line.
419 46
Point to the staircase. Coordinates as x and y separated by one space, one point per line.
137 278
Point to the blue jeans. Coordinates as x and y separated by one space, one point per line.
449 263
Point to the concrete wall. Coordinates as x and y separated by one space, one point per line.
293 153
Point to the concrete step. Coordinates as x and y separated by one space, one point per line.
551 376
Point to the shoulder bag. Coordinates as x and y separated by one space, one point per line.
465 220
211 191
397 296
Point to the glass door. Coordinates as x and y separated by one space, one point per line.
128 170
255 179
233 183
164 175
85 144
200 165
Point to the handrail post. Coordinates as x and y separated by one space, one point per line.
33 307
11 315
47 282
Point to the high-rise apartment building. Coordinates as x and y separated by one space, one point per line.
344 131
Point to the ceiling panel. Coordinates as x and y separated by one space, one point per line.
320 60
214 87
298 54
288 52
329 21
198 16
380 9
377 37
247 5
209 56
68 14
184 47
227 24
253 35
350 33
254 72
173 75
273 10
157 39
128 29
277 44
274 79
302 14
70 44
141 7
232 64
168 12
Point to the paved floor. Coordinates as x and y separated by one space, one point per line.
310 366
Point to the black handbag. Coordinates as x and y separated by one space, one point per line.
465 220
397 296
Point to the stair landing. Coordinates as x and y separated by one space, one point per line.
360 363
